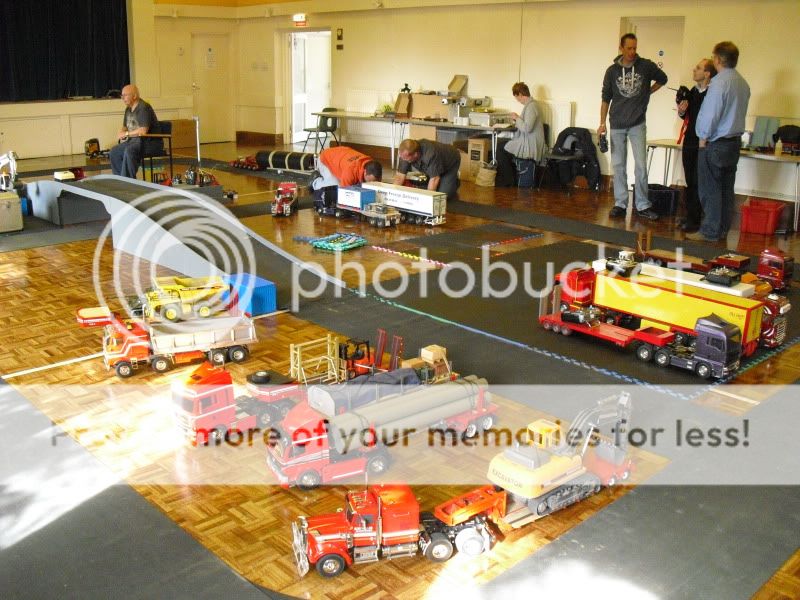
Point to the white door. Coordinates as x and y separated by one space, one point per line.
211 87
661 40
311 79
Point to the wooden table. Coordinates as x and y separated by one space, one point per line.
670 146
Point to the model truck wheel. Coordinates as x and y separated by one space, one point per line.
217 357
171 312
259 377
703 370
161 364
378 464
237 354
308 480
644 353
204 311
330 565
470 542
662 358
486 422
440 549
124 369
471 430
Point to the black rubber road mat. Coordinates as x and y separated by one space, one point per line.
581 229
464 245
512 319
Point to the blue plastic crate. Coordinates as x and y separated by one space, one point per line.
257 296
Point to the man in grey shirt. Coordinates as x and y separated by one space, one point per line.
720 125
627 86
439 162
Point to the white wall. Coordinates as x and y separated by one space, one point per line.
560 48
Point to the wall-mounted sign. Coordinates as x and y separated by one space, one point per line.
299 19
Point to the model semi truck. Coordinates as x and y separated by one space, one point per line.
207 410
285 201
415 205
129 344
331 437
550 472
704 329
358 201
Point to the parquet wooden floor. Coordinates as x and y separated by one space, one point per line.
128 425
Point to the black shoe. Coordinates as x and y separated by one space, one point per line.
617 213
647 213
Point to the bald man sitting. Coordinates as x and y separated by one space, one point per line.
138 120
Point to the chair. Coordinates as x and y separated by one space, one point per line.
325 125
154 147
566 149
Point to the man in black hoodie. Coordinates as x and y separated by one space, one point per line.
627 86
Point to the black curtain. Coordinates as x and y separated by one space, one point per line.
54 49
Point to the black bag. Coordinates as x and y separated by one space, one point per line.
788 134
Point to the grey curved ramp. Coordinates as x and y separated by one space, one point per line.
178 229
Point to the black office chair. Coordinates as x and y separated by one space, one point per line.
325 125
563 158
154 147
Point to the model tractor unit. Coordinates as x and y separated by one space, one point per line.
129 344
332 436
384 521
554 470
415 205
285 201
176 298
208 411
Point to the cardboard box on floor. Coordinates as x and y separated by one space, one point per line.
183 134
478 150
466 171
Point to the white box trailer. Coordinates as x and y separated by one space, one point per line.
415 205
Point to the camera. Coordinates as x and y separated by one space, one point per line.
602 141
682 94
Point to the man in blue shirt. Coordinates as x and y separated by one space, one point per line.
720 125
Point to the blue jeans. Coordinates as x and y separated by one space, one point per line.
126 157
716 176
637 136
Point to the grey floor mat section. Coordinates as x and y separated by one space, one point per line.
580 229
39 234
111 544
667 543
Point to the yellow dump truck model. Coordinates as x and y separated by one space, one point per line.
176 298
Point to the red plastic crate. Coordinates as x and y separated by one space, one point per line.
761 216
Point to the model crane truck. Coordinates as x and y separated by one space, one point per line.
550 473
704 329
129 344
329 438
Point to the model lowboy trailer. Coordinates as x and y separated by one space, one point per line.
550 473
631 307
131 343
320 448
